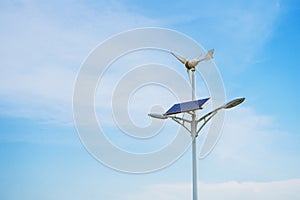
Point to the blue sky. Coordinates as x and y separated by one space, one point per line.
43 45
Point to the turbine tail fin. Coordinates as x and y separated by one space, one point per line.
209 55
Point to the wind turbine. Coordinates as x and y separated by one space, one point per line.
191 64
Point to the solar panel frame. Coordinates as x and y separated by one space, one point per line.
187 106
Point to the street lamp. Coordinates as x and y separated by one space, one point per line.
190 108
205 118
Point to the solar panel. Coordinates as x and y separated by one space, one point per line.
186 106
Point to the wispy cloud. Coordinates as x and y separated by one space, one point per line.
238 30
42 48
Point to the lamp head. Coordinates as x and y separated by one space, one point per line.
157 116
233 103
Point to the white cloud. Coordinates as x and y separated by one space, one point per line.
246 131
251 147
276 190
43 45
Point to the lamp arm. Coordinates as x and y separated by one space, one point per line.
182 122
182 119
209 115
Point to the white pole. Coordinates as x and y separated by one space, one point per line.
194 143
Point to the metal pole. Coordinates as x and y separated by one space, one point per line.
194 142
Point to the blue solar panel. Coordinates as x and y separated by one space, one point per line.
186 106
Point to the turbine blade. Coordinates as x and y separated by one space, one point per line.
181 59
189 75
